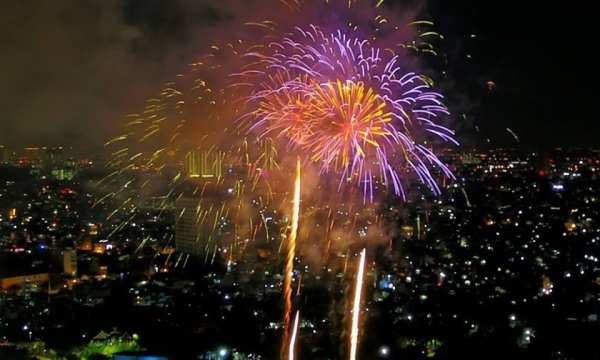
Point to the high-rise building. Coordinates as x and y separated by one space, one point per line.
192 230
63 173
543 161
4 155
27 288
42 156
53 155
70 262
32 156
204 163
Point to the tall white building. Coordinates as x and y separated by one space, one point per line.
70 262
194 230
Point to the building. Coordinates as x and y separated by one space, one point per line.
137 355
32 156
204 163
158 203
543 161
193 229
70 262
63 170
32 280
53 155
4 155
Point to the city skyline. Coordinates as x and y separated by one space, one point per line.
505 259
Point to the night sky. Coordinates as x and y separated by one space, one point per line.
73 69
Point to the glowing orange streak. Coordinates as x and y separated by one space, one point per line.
299 284
291 254
346 261
254 232
356 306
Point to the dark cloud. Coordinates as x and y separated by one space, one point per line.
74 69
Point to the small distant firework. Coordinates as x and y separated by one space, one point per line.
349 107
513 134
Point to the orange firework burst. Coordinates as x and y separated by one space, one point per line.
349 108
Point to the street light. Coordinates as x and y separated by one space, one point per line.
384 351
30 336
223 353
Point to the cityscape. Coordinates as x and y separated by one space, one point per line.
297 179
503 263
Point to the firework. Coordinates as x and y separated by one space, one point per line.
356 306
289 268
349 108
292 348
195 111
340 102
163 156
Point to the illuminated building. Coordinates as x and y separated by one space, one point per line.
32 155
158 203
408 230
204 163
42 156
85 244
12 213
93 229
70 262
192 234
63 173
53 155
4 155
543 161
133 356
19 280
27 288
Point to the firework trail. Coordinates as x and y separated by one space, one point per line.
356 307
289 267
163 156
349 107
513 134
292 348
466 197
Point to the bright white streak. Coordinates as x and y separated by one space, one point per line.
356 306
292 348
